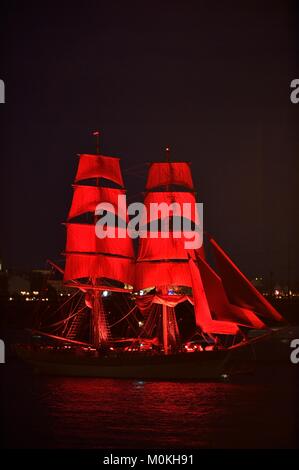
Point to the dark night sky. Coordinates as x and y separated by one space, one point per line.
211 79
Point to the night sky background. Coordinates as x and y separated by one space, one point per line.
210 79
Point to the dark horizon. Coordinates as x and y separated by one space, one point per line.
214 85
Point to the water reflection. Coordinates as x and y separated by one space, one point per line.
107 413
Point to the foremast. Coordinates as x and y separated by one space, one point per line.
97 264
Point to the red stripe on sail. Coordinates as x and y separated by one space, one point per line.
82 238
79 266
86 198
163 174
151 274
99 166
239 289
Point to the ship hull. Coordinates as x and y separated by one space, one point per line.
212 365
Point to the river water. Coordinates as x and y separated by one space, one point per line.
260 410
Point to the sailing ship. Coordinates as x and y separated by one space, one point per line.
184 318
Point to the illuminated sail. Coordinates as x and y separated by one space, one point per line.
99 166
87 256
169 173
239 289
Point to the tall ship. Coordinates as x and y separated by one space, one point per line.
151 305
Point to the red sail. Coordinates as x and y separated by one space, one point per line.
146 301
163 174
203 317
86 198
218 302
239 289
150 274
82 238
165 199
80 266
99 166
170 248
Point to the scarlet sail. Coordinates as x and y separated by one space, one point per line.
170 203
99 166
79 266
89 257
202 311
86 199
82 238
170 267
157 273
239 289
218 302
169 173
169 248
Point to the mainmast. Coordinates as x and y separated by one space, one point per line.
96 264
163 261
168 327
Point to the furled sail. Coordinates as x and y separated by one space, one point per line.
239 289
99 166
169 173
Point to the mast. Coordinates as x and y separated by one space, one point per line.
96 264
165 319
163 262
165 328
100 327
